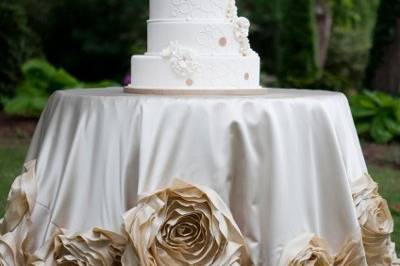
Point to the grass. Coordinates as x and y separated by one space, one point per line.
12 157
389 187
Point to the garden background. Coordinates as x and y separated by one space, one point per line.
352 46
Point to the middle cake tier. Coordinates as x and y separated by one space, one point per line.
205 37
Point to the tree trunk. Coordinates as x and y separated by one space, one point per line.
387 75
324 24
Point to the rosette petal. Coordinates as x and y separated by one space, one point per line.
14 227
185 225
21 199
351 254
307 250
376 222
97 247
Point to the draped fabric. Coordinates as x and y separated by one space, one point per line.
284 164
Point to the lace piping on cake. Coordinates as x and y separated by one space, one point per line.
241 27
183 61
208 37
191 9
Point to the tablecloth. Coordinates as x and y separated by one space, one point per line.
284 163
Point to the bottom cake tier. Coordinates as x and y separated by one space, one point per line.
155 72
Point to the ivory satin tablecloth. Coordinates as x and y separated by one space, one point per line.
283 162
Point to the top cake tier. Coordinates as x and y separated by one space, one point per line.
188 9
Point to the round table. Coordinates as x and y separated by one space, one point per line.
288 165
283 162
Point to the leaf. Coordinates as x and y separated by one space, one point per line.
379 132
62 80
386 100
38 72
373 97
363 101
363 128
397 111
101 84
25 106
392 126
360 112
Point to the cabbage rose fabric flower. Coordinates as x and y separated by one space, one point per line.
351 253
306 250
185 225
376 222
21 199
309 249
97 247
14 227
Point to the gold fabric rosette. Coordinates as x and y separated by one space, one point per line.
351 253
97 247
306 250
184 225
376 222
14 227
311 250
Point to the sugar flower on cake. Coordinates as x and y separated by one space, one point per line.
376 222
306 250
183 60
231 11
184 225
241 27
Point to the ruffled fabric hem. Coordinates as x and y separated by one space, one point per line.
102 247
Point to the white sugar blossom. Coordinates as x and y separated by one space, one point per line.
183 60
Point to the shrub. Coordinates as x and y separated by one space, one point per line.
383 70
264 25
17 44
377 116
353 22
297 43
90 39
40 79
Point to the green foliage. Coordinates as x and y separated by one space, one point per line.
353 22
11 161
384 35
297 43
40 79
264 25
389 187
91 39
100 84
17 44
377 116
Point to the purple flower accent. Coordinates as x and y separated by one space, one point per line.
127 79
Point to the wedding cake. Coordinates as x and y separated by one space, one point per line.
196 45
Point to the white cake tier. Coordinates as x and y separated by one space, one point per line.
203 36
213 72
165 9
